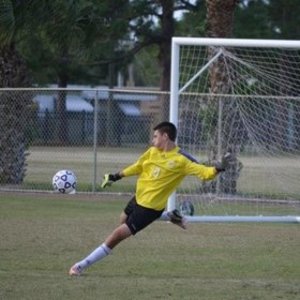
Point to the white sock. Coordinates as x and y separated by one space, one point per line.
98 254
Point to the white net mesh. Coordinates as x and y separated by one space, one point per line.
246 100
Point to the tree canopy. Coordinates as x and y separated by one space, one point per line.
77 40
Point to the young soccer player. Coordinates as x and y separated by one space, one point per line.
160 170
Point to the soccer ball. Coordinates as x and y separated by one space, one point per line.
64 181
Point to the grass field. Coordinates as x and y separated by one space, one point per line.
42 235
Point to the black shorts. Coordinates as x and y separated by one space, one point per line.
139 217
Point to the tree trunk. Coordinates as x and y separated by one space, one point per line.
167 24
15 110
219 18
219 25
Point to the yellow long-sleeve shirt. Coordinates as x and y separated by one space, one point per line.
161 172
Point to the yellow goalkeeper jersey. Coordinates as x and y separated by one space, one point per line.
161 172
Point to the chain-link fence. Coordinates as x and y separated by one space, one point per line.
91 131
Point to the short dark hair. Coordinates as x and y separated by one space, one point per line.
168 128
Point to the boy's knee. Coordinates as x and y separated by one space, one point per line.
123 218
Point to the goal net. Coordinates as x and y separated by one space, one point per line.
241 96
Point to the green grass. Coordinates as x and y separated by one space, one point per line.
42 235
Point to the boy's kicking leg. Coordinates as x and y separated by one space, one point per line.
119 234
133 219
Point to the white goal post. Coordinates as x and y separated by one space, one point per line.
241 95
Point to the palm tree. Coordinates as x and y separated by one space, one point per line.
219 24
14 107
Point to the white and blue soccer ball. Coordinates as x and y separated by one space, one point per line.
64 181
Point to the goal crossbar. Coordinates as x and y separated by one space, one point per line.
223 42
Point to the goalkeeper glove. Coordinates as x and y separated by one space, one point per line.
222 165
108 179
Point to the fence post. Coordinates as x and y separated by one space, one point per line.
95 141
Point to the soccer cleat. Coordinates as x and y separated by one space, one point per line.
75 271
177 219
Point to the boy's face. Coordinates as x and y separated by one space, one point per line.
159 139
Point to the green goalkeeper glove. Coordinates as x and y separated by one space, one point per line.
222 165
109 179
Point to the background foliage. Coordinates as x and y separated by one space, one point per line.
77 40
